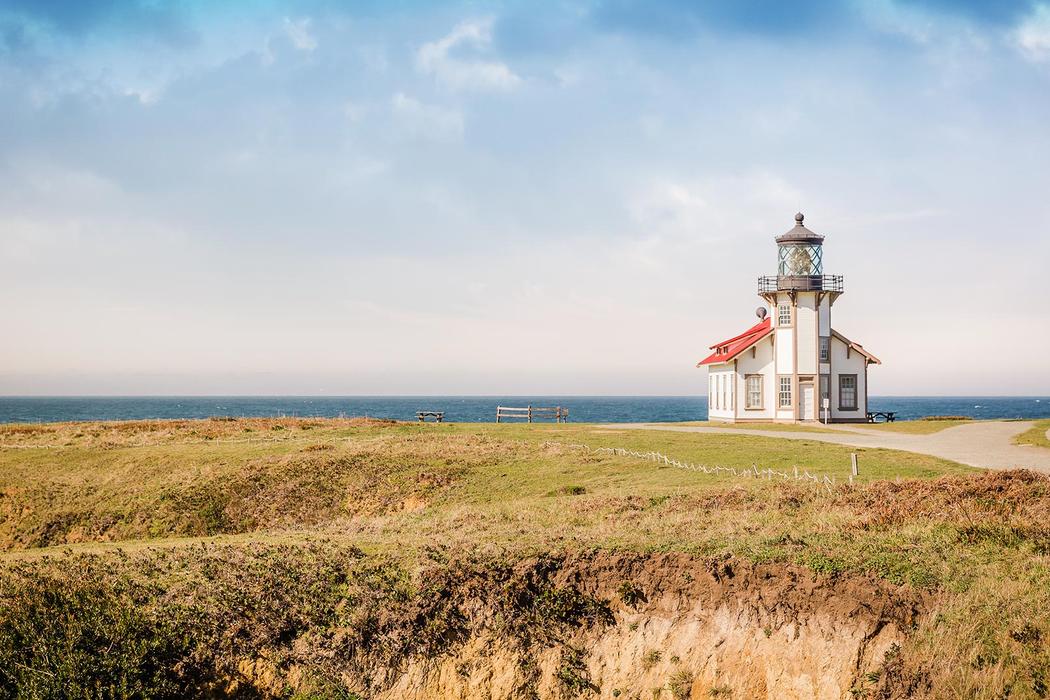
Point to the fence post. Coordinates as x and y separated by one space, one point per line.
853 464
530 412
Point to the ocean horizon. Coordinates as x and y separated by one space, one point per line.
465 409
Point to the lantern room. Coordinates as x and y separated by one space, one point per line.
800 263
800 251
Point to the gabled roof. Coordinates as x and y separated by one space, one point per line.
857 347
728 349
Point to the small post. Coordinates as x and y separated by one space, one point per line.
530 412
853 464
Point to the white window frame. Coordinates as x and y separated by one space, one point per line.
785 396
749 392
783 311
843 406
825 348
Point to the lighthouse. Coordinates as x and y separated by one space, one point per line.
793 365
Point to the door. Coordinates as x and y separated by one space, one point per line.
806 412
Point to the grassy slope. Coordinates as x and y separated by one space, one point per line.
374 483
1036 435
916 427
772 427
980 540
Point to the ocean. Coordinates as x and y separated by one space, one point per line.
582 409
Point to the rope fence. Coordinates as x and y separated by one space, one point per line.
753 472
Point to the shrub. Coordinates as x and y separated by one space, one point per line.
85 637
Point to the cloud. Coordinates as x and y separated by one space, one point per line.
1033 35
298 30
436 58
426 121
708 209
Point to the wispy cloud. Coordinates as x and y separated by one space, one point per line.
439 59
298 30
1033 35
426 121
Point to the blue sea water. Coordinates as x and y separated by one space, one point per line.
584 409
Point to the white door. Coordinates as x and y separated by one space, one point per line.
807 402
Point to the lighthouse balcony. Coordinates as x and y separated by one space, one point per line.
799 283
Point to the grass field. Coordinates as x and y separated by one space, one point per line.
916 427
772 427
331 491
1036 435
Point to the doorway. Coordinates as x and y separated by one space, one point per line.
807 409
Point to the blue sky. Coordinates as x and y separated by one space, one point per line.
569 197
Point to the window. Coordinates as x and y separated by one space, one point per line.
796 259
825 348
825 386
784 315
785 393
847 392
754 391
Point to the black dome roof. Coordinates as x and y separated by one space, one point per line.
800 234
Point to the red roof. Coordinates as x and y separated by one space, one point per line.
728 349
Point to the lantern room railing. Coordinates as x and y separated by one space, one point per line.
800 283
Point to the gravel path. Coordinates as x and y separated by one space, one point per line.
987 444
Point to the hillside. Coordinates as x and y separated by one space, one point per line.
357 558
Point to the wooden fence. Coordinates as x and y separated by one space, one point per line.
557 413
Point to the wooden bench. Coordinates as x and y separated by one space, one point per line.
422 416
558 413
882 416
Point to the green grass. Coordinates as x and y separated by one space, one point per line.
915 427
772 427
1036 435
176 503
345 478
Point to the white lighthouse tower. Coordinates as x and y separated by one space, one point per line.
792 365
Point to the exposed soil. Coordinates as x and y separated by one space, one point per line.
321 621
679 627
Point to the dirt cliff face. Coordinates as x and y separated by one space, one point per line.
681 627
317 620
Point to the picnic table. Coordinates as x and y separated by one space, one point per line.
882 416
422 416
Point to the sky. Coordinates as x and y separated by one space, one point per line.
513 197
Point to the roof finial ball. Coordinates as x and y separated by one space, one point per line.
798 218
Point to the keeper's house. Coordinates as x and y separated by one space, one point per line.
783 367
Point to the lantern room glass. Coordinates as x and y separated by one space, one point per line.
800 260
